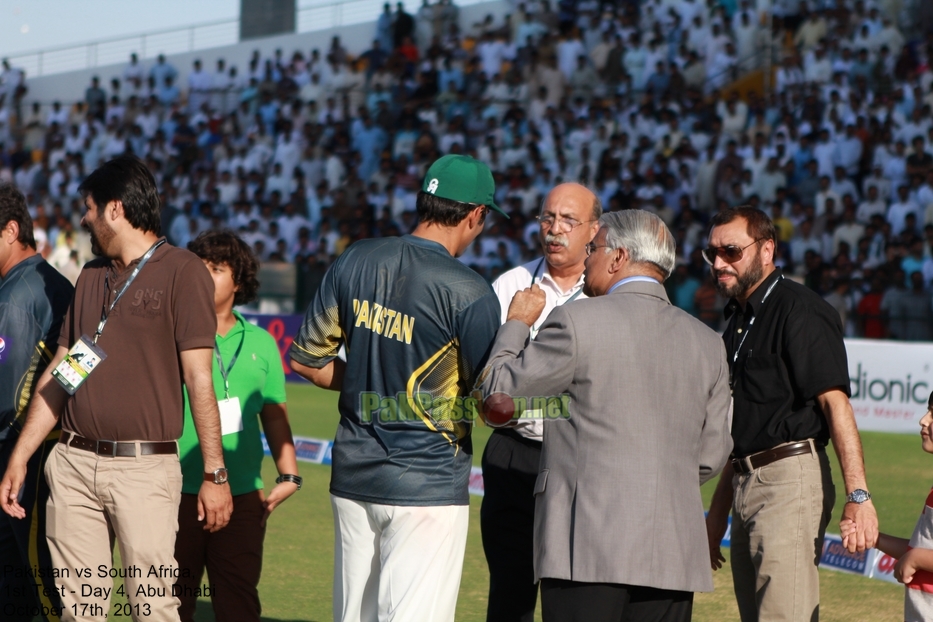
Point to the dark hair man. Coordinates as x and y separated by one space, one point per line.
790 387
418 325
116 384
568 221
33 301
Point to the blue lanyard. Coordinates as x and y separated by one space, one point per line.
534 277
537 272
142 262
224 372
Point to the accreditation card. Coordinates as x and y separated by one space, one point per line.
81 360
231 416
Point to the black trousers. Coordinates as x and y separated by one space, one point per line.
23 547
572 601
510 468
232 556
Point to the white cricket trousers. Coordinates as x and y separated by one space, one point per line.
396 563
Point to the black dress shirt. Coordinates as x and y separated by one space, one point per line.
790 350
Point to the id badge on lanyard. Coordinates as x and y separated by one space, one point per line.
231 415
81 360
85 355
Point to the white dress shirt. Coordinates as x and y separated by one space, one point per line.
517 279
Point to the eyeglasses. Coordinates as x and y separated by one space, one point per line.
591 248
729 254
564 225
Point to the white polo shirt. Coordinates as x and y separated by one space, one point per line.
512 282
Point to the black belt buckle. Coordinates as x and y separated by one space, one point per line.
106 448
742 465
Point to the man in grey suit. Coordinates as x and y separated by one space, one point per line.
619 529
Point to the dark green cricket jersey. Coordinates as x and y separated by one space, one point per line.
33 299
418 326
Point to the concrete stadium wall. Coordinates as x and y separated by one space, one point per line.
356 38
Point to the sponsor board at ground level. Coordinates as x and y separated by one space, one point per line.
890 382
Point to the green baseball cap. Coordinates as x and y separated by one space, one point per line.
461 178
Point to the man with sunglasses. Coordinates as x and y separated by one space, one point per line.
568 221
790 386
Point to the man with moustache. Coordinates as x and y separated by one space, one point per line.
618 527
568 221
116 384
790 386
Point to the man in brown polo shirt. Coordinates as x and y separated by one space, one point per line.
143 313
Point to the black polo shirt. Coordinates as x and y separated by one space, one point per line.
792 352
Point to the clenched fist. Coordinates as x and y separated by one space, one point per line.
527 305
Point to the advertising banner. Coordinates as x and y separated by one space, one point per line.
890 383
836 557
283 329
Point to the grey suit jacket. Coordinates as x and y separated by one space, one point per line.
617 498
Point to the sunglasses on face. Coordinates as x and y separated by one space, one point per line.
729 254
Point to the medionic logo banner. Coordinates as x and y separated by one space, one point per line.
890 383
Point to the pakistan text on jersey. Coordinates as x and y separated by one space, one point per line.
383 321
400 407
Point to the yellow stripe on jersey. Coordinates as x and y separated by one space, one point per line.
323 329
439 376
41 355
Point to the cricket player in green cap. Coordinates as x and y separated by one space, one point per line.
417 326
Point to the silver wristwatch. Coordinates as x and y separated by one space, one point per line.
858 496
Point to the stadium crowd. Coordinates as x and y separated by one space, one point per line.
304 153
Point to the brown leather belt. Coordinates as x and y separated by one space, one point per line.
117 449
763 458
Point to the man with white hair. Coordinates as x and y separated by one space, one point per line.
568 221
618 515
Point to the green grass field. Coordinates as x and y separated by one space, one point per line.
296 579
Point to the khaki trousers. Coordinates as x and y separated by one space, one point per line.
779 518
95 500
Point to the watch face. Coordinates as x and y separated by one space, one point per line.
859 496
220 476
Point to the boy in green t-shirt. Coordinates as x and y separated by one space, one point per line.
249 383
